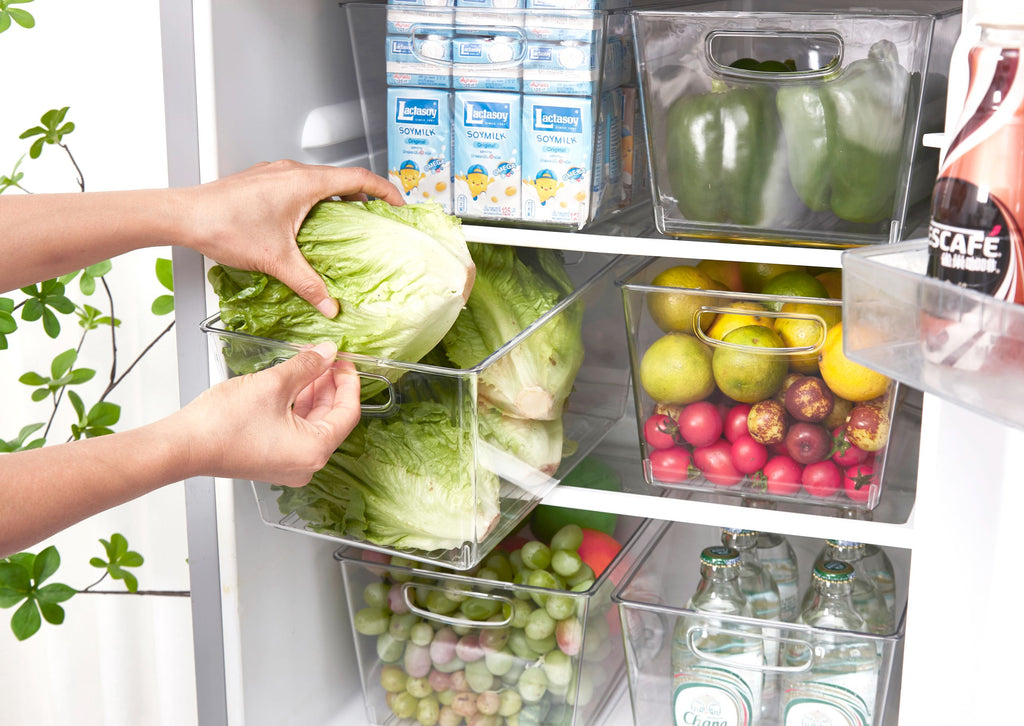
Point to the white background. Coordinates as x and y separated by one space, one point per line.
116 659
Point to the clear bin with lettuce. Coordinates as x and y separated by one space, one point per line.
793 123
486 376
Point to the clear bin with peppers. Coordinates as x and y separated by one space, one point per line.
793 124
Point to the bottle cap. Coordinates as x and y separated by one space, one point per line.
720 556
843 544
999 13
834 571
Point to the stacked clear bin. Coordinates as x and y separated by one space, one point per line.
819 315
653 602
504 479
475 644
959 344
512 113
793 123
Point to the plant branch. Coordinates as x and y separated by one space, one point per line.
78 171
113 336
138 358
164 593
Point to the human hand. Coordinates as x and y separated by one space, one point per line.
249 220
280 425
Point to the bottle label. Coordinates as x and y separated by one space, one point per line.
824 704
709 696
979 248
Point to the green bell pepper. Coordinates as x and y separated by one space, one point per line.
845 136
720 150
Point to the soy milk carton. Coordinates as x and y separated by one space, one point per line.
486 134
557 158
420 144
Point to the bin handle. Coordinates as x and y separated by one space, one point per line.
517 44
819 322
451 620
703 631
370 408
722 69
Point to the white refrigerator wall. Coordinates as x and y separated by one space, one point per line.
116 660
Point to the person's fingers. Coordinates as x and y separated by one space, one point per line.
303 368
339 418
348 181
296 273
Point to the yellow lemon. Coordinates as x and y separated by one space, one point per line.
725 323
676 370
800 332
675 311
846 378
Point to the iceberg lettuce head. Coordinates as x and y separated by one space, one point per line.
401 276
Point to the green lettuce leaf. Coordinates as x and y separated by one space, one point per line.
534 378
405 481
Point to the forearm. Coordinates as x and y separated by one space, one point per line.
52 234
43 491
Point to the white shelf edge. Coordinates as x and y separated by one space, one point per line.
655 247
885 534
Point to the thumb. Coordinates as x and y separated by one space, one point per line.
305 367
299 275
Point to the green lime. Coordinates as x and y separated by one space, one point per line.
793 283
676 370
749 373
755 274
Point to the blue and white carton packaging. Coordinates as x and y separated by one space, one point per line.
558 154
420 144
486 129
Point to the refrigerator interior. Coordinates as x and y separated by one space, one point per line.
274 646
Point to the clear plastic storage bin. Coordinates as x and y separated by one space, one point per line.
790 122
653 600
497 467
959 344
702 379
473 640
522 113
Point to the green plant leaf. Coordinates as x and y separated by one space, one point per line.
22 17
26 620
97 562
50 324
62 363
77 404
14 579
32 379
52 613
45 565
163 305
18 444
39 394
5 21
79 375
104 413
165 273
52 131
55 592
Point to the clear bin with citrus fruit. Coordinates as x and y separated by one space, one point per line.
742 386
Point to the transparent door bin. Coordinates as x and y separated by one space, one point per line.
507 116
653 599
961 345
741 147
430 438
694 382
461 639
